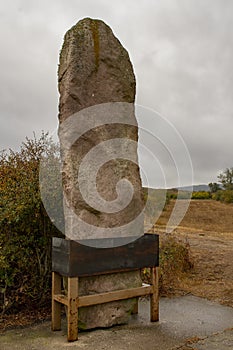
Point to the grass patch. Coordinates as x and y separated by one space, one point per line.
175 262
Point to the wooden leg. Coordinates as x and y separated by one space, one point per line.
56 307
72 310
154 298
135 309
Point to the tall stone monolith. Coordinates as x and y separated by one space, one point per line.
98 136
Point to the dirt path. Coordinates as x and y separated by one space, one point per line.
213 269
208 228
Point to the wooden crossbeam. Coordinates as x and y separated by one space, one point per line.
61 298
102 298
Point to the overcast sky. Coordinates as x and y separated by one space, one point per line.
182 53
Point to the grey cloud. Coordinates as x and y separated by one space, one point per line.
182 53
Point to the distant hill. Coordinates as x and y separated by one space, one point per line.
195 188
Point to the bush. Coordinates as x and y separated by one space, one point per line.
217 195
173 196
225 196
25 228
175 260
201 195
172 193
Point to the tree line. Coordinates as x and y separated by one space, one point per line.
223 191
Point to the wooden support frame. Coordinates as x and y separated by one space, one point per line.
73 260
72 310
73 301
154 296
56 304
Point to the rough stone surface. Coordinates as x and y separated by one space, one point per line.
112 313
95 69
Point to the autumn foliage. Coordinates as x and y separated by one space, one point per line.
25 228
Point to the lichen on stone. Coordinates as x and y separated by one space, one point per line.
95 35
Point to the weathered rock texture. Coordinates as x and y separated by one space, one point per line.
95 69
106 315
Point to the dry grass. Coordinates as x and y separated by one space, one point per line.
203 215
175 264
208 229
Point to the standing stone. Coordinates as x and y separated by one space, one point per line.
95 69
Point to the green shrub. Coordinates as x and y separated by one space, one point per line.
217 195
25 228
172 193
225 196
201 195
173 196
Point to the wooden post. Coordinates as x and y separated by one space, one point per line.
154 298
56 307
72 310
135 309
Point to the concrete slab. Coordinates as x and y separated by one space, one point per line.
220 341
190 316
180 318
